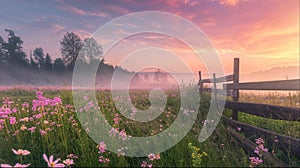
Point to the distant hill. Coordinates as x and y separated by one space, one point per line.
276 73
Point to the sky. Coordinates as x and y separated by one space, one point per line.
263 33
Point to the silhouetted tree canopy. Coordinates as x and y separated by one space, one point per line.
38 56
14 49
70 48
48 62
90 50
59 64
2 51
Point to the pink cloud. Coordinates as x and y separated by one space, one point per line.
229 2
83 12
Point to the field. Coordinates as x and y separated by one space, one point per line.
45 122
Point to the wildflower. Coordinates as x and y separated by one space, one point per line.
259 141
68 162
123 135
12 120
113 131
17 165
254 161
52 163
21 152
32 129
256 150
103 160
42 132
24 119
151 156
239 128
102 147
157 156
144 164
23 127
72 156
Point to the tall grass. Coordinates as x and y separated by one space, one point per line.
58 132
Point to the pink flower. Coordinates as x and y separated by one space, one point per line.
17 165
68 162
259 141
157 156
52 163
113 131
255 161
31 129
103 160
151 156
12 120
144 164
102 147
21 152
123 135
42 132
239 128
256 150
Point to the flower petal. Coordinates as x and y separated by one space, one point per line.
59 165
15 152
51 158
5 165
45 158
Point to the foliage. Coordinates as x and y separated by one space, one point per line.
90 50
13 48
71 45
38 56
197 155
48 62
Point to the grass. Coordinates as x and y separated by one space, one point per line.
65 135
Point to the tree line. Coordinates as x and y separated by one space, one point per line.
72 47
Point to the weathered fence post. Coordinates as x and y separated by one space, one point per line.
214 86
235 97
200 84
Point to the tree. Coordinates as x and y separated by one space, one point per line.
70 48
2 51
48 62
59 64
14 48
38 56
90 50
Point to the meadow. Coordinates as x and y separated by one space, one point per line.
40 128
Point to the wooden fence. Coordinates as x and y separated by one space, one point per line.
287 144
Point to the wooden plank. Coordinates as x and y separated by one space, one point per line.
219 91
235 97
200 84
286 144
293 84
265 110
250 147
227 78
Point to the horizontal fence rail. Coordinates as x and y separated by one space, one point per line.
250 147
269 85
219 91
227 78
285 142
266 111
